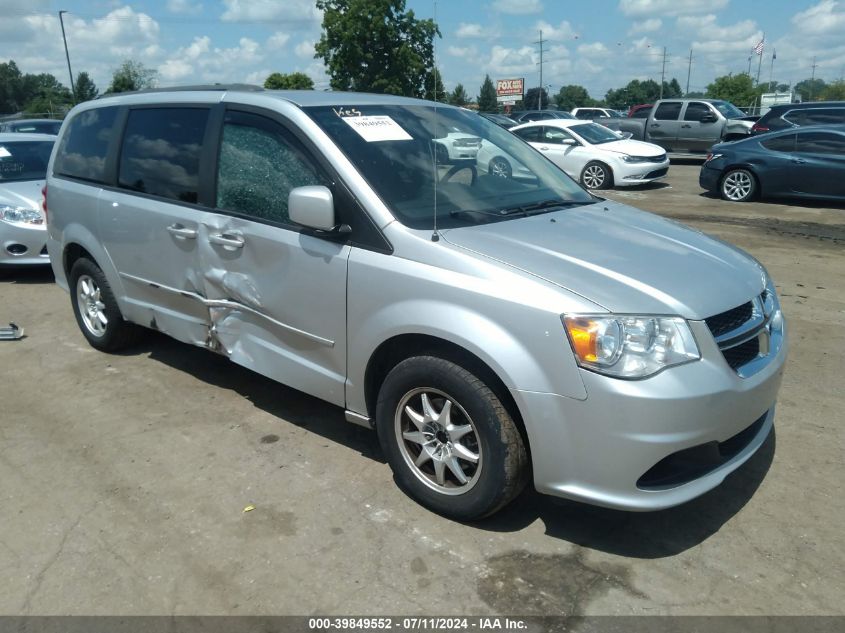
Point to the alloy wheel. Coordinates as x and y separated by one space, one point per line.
91 307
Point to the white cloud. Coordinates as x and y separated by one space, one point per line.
305 49
717 40
271 10
277 40
469 30
562 31
518 7
825 18
184 7
462 51
646 26
669 7
596 49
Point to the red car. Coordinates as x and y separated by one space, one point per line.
640 111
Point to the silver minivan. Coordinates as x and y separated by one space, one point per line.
493 328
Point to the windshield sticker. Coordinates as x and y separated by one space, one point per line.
377 128
4 153
342 112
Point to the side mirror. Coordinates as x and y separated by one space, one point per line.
312 207
568 141
709 118
625 135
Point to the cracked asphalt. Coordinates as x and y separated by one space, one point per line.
124 479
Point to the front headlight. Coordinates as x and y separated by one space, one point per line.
636 159
626 346
20 215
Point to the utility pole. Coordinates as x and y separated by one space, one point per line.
749 63
760 63
663 73
813 79
67 56
541 41
689 71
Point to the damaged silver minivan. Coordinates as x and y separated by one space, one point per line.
493 325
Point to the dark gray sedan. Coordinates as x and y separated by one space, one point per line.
807 162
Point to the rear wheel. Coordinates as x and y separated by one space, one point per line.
596 175
96 309
452 445
738 185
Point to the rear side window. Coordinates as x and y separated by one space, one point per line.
696 111
530 134
161 152
84 145
260 162
818 116
821 143
784 143
669 111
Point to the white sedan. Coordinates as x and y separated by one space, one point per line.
597 156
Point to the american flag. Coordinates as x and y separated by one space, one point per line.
758 50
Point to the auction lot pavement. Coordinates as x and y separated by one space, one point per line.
124 479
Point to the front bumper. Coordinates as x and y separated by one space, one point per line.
599 450
629 174
23 245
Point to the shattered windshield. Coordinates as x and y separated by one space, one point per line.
418 158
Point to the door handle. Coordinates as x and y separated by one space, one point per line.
544 148
686 126
655 125
182 232
226 239
798 161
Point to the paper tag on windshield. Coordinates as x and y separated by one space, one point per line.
377 128
4 153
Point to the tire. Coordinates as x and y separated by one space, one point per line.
738 185
479 443
441 154
596 175
500 167
96 310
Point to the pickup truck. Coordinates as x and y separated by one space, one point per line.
686 125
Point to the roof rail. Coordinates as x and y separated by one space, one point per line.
221 87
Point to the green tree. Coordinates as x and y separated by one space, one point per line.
487 97
10 87
738 89
84 89
131 76
672 90
289 81
533 97
43 93
459 96
834 91
433 89
376 46
810 89
636 92
573 96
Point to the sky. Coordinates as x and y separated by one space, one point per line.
599 44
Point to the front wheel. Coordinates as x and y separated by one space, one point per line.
452 445
500 168
738 185
596 175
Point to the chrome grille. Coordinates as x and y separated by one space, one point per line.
742 333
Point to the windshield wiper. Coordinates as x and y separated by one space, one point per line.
544 206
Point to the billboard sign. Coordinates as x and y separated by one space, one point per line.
509 89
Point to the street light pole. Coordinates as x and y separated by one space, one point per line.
67 56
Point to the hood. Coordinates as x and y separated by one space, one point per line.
23 193
632 148
626 260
